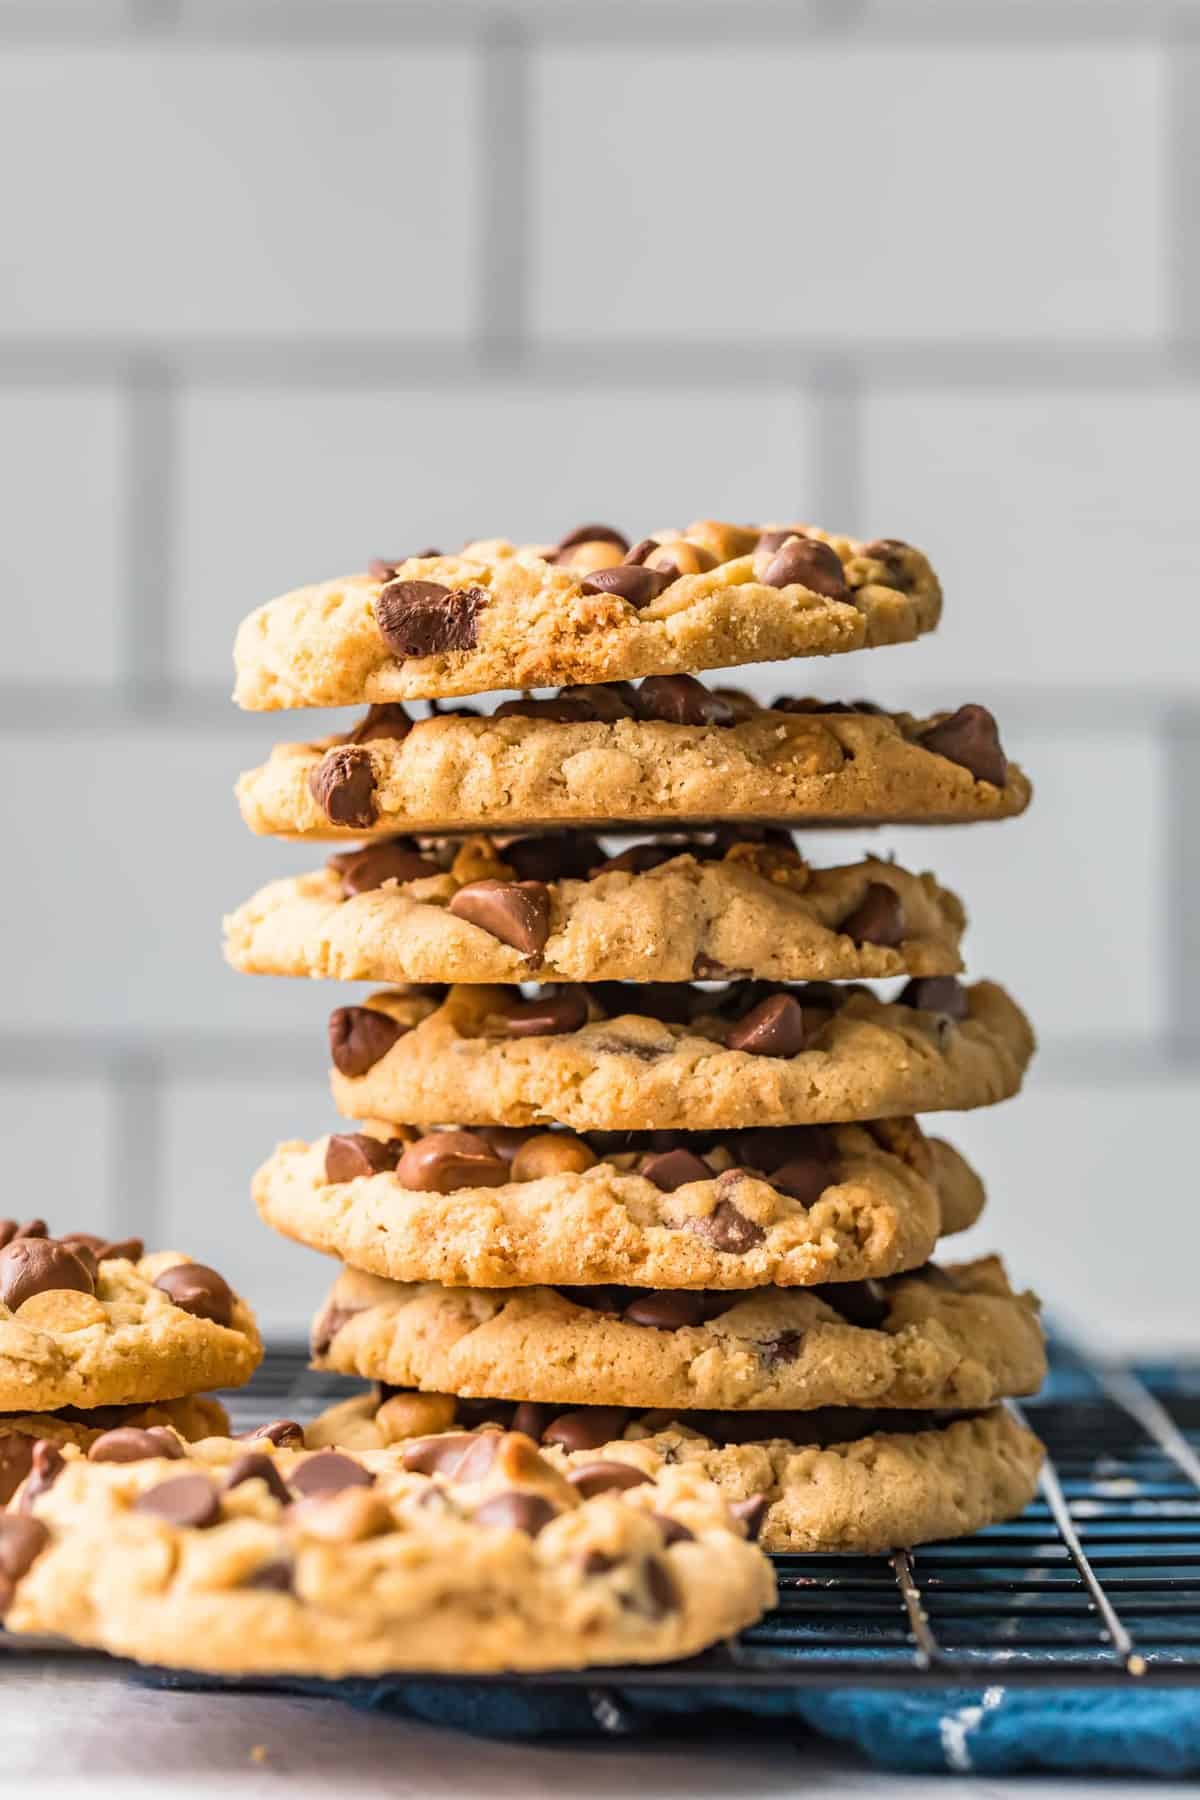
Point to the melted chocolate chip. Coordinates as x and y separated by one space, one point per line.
661 1593
185 1500
128 1444
673 1530
670 1002
752 1513
641 550
569 857
515 912
21 1543
198 1290
970 738
671 1169
343 786
891 552
16 1460
608 701
423 618
675 1308
862 1303
10 1230
728 1230
878 918
586 1428
772 1146
328 1323
363 870
592 534
516 1511
283 1433
445 1161
553 1013
440 1455
32 1265
681 700
775 1027
254 1465
351 1155
327 1472
807 562
605 1477
639 860
562 709
389 721
359 1037
631 582
130 1249
936 993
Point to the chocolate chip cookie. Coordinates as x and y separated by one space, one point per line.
954 1337
667 753
498 1208
671 1057
85 1322
563 908
591 608
846 1479
274 1560
195 1416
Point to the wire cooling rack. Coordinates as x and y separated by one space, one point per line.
1098 1583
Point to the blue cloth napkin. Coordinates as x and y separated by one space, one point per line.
989 1731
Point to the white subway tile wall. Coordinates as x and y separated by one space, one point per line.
293 285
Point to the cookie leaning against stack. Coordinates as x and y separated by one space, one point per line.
625 1214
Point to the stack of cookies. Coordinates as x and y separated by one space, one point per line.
98 1340
634 1165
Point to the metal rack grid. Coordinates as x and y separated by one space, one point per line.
1098 1583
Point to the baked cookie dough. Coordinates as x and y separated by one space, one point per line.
88 1323
954 1337
795 1206
485 909
843 1480
588 609
667 753
195 1416
269 1560
676 1058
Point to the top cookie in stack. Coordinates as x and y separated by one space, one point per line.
717 1148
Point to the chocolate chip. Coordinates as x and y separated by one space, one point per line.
254 1465
562 709
389 721
48 1465
187 1501
445 1161
681 700
517 1511
283 1433
21 1543
638 860
328 1324
670 1002
130 1249
805 1177
892 553
641 550
753 1513
673 1530
592 534
327 1472
661 1591
775 1027
127 1444
343 786
363 870
807 562
16 1460
672 1169
516 912
569 857
440 1455
605 1477
39 1266
632 582
667 1310
552 1014
9 1230
351 1155
878 918
273 1577
727 1229
532 1418
936 993
194 1288
505 1140
423 618
771 541
862 1303
586 1428
359 1037
770 1147
607 701
784 1348
970 738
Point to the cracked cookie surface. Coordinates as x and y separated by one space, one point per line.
954 1337
470 910
598 1059
793 1207
86 1323
270 1559
845 1480
496 616
688 754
